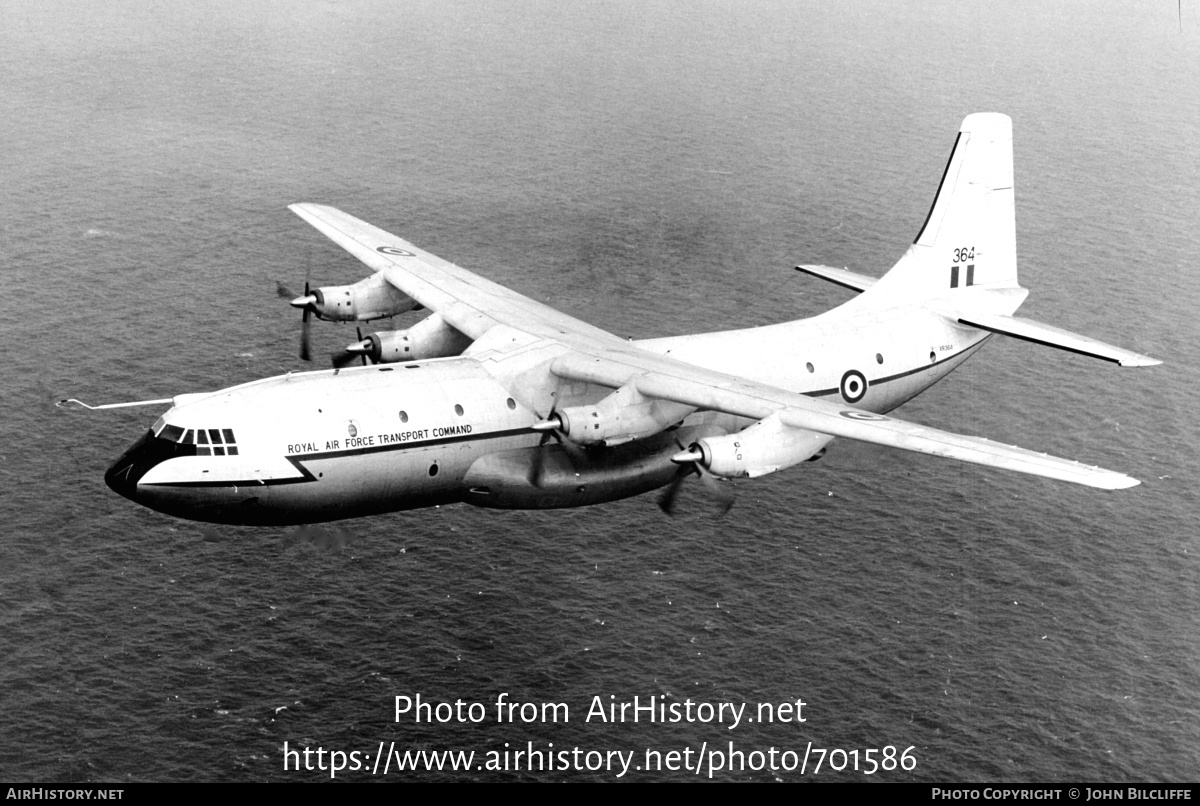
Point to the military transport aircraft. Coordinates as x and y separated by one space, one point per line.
500 401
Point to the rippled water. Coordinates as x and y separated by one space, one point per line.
655 169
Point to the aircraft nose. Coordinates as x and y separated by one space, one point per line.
123 476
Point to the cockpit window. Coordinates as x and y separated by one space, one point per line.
158 425
215 442
171 433
208 441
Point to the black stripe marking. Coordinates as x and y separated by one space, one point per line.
899 375
938 195
307 476
828 279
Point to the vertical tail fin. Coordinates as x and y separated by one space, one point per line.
969 237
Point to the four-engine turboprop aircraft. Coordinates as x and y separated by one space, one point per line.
500 401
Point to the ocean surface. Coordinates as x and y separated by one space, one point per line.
655 168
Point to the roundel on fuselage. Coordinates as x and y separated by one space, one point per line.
854 386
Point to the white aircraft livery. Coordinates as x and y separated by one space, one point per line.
497 400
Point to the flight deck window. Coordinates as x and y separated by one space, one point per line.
171 433
213 441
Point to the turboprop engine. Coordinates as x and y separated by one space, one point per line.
623 416
765 447
370 298
429 338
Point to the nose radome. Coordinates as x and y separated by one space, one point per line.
123 476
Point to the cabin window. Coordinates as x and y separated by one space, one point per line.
404 416
512 404
810 367
458 410
433 469
878 358
932 357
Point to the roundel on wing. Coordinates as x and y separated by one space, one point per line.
394 250
854 386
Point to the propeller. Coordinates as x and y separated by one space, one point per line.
714 487
305 303
347 354
362 347
551 426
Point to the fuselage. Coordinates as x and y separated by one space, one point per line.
321 446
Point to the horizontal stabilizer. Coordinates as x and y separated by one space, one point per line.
843 277
1029 330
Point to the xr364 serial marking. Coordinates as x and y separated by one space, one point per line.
500 401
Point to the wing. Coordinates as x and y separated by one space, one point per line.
474 306
465 300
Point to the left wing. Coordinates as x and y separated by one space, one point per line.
474 306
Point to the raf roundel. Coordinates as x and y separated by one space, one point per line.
394 250
855 414
854 386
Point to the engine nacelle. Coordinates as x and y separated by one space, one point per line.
765 447
370 298
429 338
623 416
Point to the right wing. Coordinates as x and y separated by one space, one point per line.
668 379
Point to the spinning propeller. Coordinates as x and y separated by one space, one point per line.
305 303
347 354
551 426
714 486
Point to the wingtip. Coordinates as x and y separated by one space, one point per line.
1116 481
1140 361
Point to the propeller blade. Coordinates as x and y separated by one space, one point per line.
342 358
666 501
305 348
717 490
538 465
305 337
